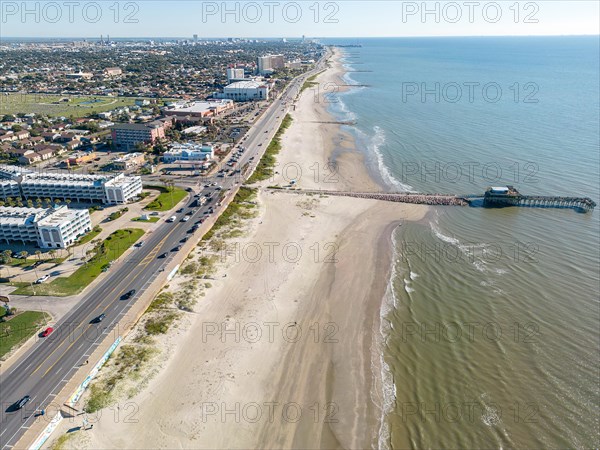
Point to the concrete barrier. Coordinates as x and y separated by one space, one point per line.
83 386
43 437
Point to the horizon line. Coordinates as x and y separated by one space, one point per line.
300 37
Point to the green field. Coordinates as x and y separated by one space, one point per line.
111 249
168 198
19 329
51 105
90 236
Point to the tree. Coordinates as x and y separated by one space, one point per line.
24 254
16 128
6 257
38 253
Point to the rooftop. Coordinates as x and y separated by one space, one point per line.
10 215
196 107
246 84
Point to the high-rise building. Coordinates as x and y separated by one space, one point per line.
264 64
196 38
270 63
234 74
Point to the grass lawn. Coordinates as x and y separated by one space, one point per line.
23 263
153 219
20 328
90 236
168 198
48 104
110 250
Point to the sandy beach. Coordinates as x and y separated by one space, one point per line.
280 352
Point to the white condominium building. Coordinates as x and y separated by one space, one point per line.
243 91
47 228
109 189
9 189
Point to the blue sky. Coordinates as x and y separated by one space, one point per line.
312 18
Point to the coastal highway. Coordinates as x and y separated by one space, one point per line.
45 368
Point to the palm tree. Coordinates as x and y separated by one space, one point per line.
7 256
38 253
24 254
30 203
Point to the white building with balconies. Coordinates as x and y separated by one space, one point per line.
46 228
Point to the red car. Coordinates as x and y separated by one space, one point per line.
47 332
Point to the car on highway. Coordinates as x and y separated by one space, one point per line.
162 256
47 332
22 402
172 219
98 319
139 244
42 279
184 240
185 219
128 294
179 211
260 145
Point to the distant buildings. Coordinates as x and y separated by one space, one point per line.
242 91
126 136
108 189
207 108
189 152
80 76
112 71
129 161
47 228
78 159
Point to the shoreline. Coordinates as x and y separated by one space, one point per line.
332 294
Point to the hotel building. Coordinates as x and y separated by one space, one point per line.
108 189
46 228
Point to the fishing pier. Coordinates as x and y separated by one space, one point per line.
495 197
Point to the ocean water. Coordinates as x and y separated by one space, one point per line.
492 320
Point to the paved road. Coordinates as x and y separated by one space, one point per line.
43 371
